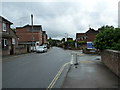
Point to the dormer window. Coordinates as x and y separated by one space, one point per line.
4 27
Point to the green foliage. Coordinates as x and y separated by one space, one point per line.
53 42
69 44
14 29
108 38
81 42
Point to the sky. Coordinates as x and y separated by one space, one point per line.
60 17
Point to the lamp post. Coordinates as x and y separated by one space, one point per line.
32 32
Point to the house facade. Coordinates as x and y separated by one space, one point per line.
31 35
8 40
14 42
88 36
26 35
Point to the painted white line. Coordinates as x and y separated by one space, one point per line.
57 76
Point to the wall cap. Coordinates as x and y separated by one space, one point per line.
112 50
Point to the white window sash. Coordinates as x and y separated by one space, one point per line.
13 40
5 42
4 27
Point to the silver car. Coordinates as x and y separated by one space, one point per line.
41 49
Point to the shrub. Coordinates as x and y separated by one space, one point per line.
108 38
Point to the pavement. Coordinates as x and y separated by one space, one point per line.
16 55
90 73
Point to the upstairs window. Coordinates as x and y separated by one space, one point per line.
4 27
82 38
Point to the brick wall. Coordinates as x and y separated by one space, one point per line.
21 49
91 37
6 50
26 36
111 59
40 38
22 30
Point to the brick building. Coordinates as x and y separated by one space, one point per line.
9 39
44 37
88 36
27 36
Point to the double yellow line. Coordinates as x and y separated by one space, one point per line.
86 61
56 77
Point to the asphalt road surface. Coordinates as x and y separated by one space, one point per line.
34 70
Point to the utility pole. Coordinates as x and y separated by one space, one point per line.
32 32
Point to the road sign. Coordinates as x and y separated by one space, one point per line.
90 45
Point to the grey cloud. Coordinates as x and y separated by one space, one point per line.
59 18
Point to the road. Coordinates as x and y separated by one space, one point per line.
34 70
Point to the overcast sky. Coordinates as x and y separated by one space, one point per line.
58 18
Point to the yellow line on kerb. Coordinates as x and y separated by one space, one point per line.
56 77
86 61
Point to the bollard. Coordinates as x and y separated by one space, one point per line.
74 59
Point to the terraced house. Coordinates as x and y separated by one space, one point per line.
9 38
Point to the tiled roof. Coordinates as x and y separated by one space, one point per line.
3 19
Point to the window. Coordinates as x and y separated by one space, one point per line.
82 38
85 37
13 40
4 43
4 27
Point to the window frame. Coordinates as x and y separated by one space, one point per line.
4 27
4 43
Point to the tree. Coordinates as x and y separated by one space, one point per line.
53 42
108 38
69 44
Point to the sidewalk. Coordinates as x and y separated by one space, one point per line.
15 56
90 73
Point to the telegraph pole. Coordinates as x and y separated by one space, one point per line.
32 32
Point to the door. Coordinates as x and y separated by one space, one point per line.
12 50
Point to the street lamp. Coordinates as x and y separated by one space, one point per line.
32 32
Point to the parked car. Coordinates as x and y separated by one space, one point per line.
41 49
45 48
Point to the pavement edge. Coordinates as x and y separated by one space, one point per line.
65 75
